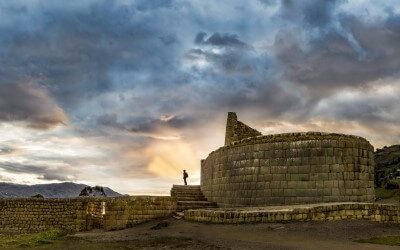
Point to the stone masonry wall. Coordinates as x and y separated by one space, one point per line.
293 168
124 212
27 215
33 215
95 210
314 212
237 130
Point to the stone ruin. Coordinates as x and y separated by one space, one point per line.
284 169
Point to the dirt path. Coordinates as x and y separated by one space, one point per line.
189 235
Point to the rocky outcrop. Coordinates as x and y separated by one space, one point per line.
95 191
387 164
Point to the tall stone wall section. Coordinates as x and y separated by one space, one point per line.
27 215
125 212
34 215
237 130
293 168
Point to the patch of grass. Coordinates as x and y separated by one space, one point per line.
385 240
164 242
382 193
30 240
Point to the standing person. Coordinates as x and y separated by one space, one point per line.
185 175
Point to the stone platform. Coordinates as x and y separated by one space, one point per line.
307 212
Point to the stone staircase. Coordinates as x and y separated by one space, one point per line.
190 197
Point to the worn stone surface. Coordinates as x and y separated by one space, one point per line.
310 212
292 168
25 215
124 212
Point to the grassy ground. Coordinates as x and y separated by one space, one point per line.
163 242
182 235
386 240
53 240
30 240
387 196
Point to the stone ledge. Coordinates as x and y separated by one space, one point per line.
291 137
306 212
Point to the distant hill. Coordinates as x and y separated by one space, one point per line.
53 190
387 164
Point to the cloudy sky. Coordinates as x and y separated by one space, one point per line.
126 94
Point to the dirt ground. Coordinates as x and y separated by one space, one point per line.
180 234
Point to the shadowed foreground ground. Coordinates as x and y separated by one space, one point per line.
187 235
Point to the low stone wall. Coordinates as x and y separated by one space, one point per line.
311 212
293 168
34 215
124 212
27 215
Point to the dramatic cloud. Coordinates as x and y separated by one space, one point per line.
217 39
141 88
5 150
31 104
44 172
145 125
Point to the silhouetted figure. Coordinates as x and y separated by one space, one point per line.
185 176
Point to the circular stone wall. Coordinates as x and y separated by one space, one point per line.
293 168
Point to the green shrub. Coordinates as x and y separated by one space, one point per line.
391 184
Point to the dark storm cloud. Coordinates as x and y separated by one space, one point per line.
229 61
43 172
246 79
31 104
76 51
85 50
312 13
218 39
5 150
269 2
144 5
145 124
333 62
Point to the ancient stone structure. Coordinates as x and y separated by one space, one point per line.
312 212
292 168
124 212
21 215
25 215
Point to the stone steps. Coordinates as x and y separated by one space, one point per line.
185 205
190 197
